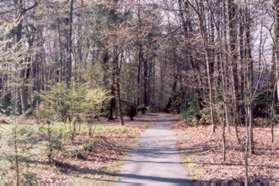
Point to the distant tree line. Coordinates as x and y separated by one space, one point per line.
213 59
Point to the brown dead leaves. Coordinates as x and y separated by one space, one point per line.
205 150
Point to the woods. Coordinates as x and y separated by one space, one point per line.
214 62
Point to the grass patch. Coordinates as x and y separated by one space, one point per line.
102 151
194 171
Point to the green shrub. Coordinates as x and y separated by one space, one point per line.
68 104
55 103
262 103
176 101
191 110
95 99
89 147
7 108
205 115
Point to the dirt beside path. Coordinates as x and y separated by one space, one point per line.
203 158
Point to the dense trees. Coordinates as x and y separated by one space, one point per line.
162 55
215 61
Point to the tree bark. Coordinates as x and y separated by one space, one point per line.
250 79
70 45
117 68
232 16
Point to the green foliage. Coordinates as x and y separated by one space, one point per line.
7 108
55 136
23 138
68 104
205 115
175 102
191 110
94 74
60 133
89 147
262 103
95 100
263 98
54 102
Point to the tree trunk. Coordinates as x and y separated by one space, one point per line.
19 100
145 83
209 64
242 65
113 99
70 45
140 55
274 97
117 68
275 56
250 79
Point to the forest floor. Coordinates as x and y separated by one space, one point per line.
98 159
82 160
203 155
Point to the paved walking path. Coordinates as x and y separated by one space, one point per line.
155 161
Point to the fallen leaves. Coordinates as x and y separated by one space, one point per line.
205 150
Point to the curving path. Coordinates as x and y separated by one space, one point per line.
155 161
